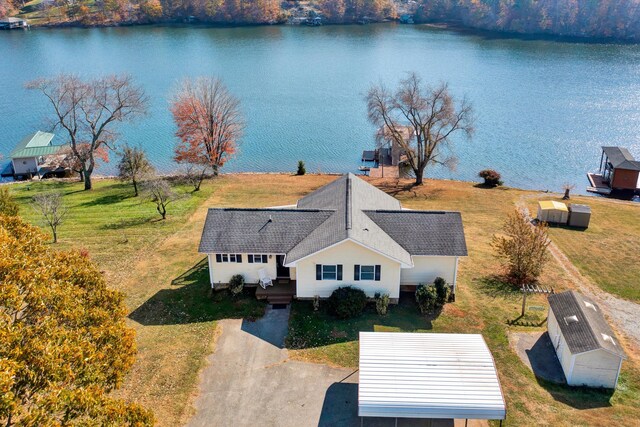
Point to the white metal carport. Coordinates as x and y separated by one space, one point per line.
419 375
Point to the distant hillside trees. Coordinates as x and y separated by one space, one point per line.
596 19
353 10
87 111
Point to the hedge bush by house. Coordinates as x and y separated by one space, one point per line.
347 302
236 284
382 303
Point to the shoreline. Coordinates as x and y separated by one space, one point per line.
456 27
174 176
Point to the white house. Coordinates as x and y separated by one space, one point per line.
345 233
587 348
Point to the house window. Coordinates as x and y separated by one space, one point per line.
328 272
258 258
228 258
366 272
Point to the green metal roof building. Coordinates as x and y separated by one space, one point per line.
27 156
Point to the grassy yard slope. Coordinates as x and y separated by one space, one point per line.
483 305
157 265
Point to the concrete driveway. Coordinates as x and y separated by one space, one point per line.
250 381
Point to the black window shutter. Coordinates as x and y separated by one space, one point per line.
318 271
264 259
218 257
356 272
250 259
377 273
339 271
238 257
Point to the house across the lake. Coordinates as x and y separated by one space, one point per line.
30 157
345 233
12 23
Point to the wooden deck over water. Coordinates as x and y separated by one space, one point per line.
598 184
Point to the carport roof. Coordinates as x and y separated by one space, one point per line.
416 375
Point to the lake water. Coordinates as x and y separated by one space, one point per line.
544 108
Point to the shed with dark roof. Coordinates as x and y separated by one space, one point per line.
588 350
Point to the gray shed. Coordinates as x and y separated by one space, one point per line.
579 215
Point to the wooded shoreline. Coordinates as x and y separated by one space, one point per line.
452 26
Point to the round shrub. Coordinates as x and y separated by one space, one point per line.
347 302
236 284
491 178
301 168
426 297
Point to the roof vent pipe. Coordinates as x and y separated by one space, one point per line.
270 219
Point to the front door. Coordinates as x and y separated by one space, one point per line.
281 271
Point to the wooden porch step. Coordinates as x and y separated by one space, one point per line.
275 299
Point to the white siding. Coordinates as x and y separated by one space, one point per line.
427 268
417 375
597 368
348 254
221 272
25 165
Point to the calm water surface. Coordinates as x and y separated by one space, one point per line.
543 107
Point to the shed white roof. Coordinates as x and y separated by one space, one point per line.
417 375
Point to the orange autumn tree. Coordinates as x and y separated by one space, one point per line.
64 343
210 124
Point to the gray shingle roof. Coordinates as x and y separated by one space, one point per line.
621 158
434 233
258 230
589 332
347 208
348 196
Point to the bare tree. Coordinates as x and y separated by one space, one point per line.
567 187
134 166
88 111
421 120
210 123
160 192
195 174
53 211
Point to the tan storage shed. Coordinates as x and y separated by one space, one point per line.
589 352
553 212
579 216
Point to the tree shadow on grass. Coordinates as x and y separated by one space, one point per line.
309 328
127 223
190 300
497 286
108 199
